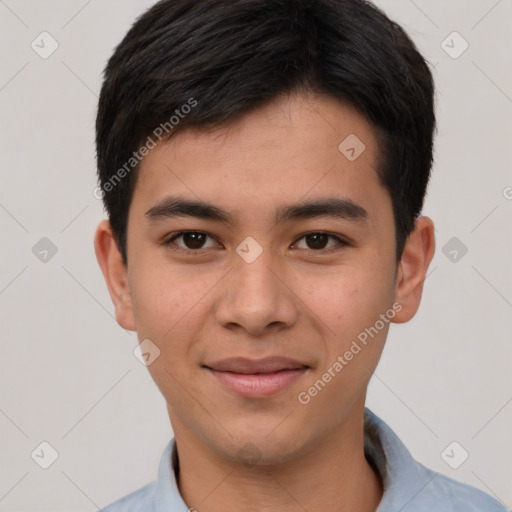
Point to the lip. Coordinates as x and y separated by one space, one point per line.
251 366
257 378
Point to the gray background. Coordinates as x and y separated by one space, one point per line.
67 372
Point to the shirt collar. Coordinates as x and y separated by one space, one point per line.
403 478
166 495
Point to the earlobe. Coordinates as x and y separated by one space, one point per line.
115 274
417 255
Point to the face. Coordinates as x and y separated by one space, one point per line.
271 310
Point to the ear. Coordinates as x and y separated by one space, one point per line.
418 253
115 274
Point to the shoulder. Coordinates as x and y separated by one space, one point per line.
448 495
136 501
409 486
159 495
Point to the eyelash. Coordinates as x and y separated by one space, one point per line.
169 241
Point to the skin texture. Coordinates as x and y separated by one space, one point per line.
308 304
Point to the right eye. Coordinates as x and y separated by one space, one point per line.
191 241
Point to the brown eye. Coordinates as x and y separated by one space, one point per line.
318 240
191 240
194 240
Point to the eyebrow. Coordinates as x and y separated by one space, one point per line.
332 207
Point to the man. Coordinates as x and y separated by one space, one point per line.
264 164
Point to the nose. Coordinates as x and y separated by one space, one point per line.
257 297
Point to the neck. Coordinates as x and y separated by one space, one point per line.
331 475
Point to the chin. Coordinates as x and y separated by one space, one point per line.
263 449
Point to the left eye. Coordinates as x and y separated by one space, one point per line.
318 241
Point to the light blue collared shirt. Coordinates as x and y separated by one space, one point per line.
408 485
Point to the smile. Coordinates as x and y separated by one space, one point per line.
257 378
258 385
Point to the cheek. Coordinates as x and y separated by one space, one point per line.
349 304
355 334
349 299
169 309
167 300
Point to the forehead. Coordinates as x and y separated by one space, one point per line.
294 148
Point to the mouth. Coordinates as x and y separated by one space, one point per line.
253 378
